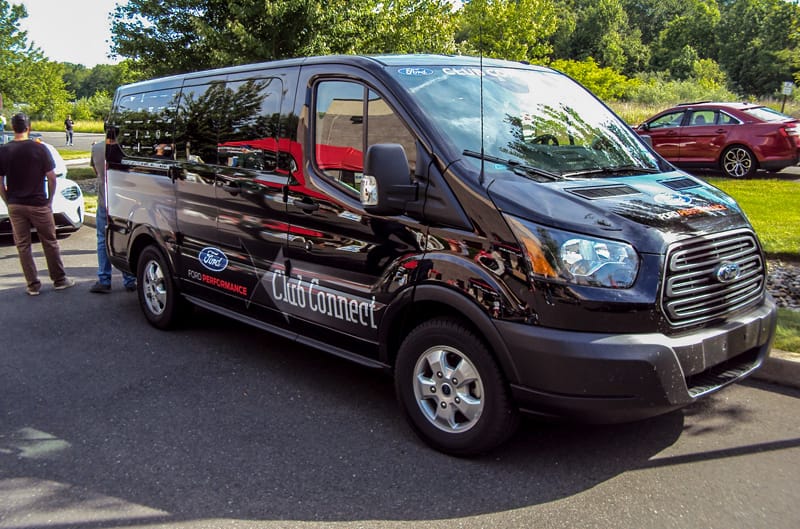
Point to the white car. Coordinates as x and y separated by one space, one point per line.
68 205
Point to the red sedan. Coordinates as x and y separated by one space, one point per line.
737 138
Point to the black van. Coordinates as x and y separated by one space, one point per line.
488 231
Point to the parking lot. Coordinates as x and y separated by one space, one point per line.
107 423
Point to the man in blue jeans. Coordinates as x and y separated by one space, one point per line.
100 151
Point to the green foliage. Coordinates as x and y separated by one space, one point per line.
514 30
186 35
686 38
599 29
95 107
605 83
761 48
659 89
25 76
787 335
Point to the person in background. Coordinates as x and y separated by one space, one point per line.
102 151
68 126
24 165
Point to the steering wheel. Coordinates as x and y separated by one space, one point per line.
602 144
545 139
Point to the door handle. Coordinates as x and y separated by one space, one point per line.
176 173
308 207
233 189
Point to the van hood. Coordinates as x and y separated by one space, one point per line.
650 210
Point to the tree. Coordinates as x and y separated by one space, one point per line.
75 76
600 29
650 17
690 36
25 76
186 35
374 26
515 30
760 46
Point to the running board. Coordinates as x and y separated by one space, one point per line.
280 331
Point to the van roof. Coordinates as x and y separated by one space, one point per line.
366 61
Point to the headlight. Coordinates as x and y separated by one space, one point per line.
71 192
575 258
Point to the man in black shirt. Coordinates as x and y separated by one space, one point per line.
24 164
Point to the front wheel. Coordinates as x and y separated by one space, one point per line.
738 162
157 291
452 391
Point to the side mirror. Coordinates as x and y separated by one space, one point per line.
386 187
644 126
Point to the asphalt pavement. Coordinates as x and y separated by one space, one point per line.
108 423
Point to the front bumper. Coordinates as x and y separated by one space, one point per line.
606 378
65 223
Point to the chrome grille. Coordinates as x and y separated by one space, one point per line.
693 292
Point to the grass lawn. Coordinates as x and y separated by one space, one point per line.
787 337
771 205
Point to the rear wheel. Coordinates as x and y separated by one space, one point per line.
158 294
738 162
451 389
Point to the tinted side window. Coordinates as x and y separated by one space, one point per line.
234 124
702 117
727 119
673 119
249 128
349 118
199 116
385 126
146 120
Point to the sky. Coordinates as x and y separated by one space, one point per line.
76 31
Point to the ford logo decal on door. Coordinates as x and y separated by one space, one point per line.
727 272
213 258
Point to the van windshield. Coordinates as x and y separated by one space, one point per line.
538 118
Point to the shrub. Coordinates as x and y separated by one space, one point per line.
658 89
605 83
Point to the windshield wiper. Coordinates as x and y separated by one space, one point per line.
517 167
614 170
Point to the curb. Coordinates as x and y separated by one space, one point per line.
779 367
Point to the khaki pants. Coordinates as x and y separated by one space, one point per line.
23 218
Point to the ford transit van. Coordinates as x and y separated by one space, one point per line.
487 231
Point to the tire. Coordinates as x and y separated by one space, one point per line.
452 391
738 162
158 294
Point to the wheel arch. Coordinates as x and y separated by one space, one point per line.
141 239
426 302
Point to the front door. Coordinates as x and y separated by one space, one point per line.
341 257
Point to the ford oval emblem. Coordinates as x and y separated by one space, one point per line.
727 272
213 258
673 199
